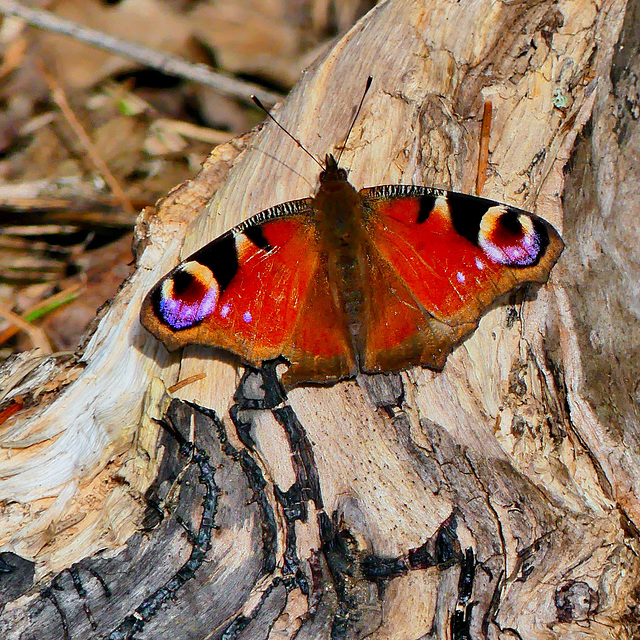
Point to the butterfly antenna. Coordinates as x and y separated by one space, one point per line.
355 117
259 104
284 164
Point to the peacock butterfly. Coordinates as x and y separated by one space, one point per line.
376 280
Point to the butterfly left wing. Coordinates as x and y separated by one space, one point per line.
437 261
251 292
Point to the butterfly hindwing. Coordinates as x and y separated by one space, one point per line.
439 260
399 332
250 291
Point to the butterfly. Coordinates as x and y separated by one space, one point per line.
347 281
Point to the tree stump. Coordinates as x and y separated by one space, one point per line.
496 499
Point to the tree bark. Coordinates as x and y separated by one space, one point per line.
497 499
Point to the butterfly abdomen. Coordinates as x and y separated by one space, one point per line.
338 213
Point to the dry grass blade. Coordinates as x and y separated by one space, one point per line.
41 310
186 382
37 335
59 97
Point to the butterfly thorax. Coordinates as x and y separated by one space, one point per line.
338 215
337 205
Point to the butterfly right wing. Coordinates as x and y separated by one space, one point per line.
261 290
437 262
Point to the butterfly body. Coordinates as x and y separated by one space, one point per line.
376 280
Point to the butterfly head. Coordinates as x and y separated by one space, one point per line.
332 172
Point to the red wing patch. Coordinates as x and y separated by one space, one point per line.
321 348
399 333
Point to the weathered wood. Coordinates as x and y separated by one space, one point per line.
497 499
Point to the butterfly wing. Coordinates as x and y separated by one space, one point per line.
437 261
252 291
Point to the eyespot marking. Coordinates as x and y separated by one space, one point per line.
188 296
509 237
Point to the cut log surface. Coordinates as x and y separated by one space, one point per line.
496 499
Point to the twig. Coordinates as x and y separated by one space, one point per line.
20 210
13 56
60 99
164 62
483 154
